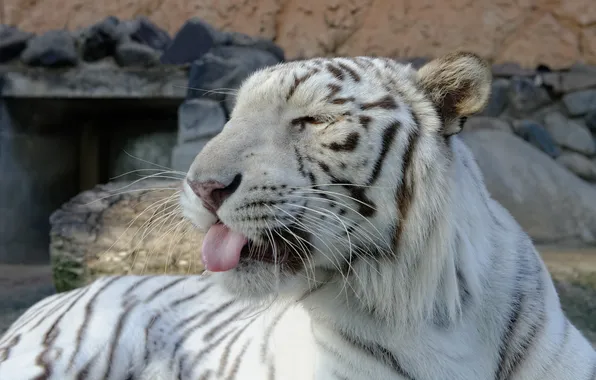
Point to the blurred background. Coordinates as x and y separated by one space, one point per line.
104 105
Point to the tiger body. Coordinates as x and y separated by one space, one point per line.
349 235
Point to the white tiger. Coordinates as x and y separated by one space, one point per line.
349 236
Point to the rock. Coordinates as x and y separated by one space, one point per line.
578 164
244 40
552 204
136 54
100 40
537 135
184 154
569 81
511 69
55 48
498 98
103 79
122 228
474 123
191 42
525 97
416 62
579 103
579 67
590 120
141 155
224 68
199 118
569 133
143 31
12 42
525 32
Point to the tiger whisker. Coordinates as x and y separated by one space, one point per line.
155 204
160 171
380 235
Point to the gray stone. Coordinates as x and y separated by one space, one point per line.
12 42
224 68
580 103
582 68
122 227
590 121
100 40
569 133
55 48
102 79
569 81
184 154
191 42
510 69
140 156
199 118
474 123
144 31
244 40
136 54
498 98
579 164
525 97
536 135
552 204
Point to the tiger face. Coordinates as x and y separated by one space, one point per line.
323 165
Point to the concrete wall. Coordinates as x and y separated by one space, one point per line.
554 32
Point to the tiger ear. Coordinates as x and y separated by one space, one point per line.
458 84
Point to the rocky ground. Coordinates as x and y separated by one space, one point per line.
574 271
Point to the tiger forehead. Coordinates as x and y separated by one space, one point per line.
373 81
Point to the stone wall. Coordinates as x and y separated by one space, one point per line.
553 32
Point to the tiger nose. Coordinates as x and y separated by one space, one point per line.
213 193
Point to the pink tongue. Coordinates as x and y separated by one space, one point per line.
221 248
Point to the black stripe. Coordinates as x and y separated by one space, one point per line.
351 71
236 365
207 349
378 352
592 375
63 301
87 317
136 285
388 138
50 338
152 321
191 297
161 290
115 341
226 353
404 195
221 325
271 371
269 331
348 145
386 102
5 351
514 348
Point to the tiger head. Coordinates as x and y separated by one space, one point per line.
329 166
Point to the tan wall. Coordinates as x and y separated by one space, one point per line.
555 32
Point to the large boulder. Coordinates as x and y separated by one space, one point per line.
122 228
551 203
